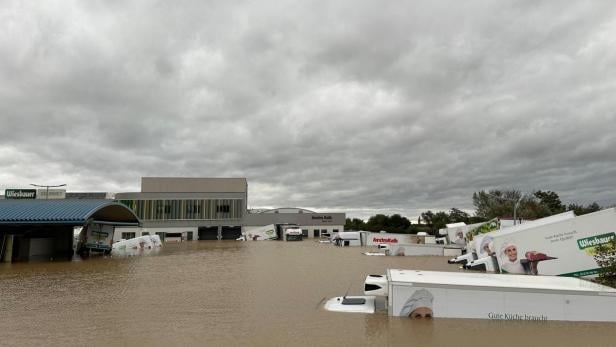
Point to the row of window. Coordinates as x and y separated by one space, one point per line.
317 232
186 209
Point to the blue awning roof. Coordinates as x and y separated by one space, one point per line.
73 212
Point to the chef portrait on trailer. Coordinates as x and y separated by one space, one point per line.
419 305
510 262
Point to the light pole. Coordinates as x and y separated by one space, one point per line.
515 208
47 188
515 205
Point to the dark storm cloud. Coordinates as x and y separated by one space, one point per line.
364 107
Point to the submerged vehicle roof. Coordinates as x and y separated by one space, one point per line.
486 280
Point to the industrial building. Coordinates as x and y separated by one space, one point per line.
197 208
32 229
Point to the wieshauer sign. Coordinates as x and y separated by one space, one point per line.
20 194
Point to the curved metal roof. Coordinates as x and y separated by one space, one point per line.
73 212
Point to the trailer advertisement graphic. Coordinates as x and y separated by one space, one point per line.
561 248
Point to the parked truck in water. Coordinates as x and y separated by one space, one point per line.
95 238
426 294
293 234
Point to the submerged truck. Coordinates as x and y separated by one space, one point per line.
427 294
293 234
95 238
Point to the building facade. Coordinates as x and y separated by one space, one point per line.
187 208
196 208
313 224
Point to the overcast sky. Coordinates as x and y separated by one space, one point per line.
360 106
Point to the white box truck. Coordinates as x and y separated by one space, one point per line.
427 294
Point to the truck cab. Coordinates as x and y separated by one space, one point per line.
293 234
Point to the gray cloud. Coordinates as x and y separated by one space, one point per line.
362 106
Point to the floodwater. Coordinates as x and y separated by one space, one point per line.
229 293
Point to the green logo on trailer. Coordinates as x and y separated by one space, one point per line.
594 241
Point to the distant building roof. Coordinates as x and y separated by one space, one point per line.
71 212
287 210
87 195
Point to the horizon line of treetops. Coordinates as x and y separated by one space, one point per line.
488 205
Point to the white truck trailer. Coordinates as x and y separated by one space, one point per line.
471 237
348 238
563 248
427 294
261 233
483 244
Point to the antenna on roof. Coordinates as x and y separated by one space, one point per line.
347 291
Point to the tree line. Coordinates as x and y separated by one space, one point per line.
488 205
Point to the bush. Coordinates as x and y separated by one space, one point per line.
605 256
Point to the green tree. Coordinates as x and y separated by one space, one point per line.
439 221
550 200
457 216
580 209
495 203
427 217
377 223
354 224
605 256
398 224
500 203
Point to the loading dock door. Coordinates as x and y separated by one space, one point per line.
208 233
231 233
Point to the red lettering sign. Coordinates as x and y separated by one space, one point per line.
384 240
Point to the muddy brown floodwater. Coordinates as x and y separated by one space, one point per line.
229 293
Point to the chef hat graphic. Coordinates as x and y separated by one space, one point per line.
421 298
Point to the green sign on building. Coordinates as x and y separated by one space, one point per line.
20 194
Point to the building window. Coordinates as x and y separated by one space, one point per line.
335 230
145 233
316 233
182 209
127 236
305 232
